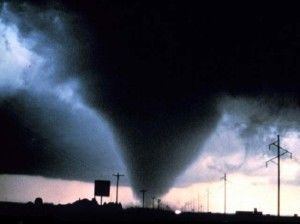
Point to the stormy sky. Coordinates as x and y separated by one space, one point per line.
88 89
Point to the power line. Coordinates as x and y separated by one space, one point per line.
117 188
280 152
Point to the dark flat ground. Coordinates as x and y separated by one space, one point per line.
111 213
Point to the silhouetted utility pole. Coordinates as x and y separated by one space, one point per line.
207 198
158 203
225 180
193 204
153 202
280 152
117 188
143 192
198 203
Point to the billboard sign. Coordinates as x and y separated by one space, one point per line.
102 188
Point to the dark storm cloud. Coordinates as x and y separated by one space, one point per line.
157 70
49 128
158 145
258 121
55 31
45 136
163 64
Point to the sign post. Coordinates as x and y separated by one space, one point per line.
102 188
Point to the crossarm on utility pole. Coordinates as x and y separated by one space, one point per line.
276 157
279 155
117 188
